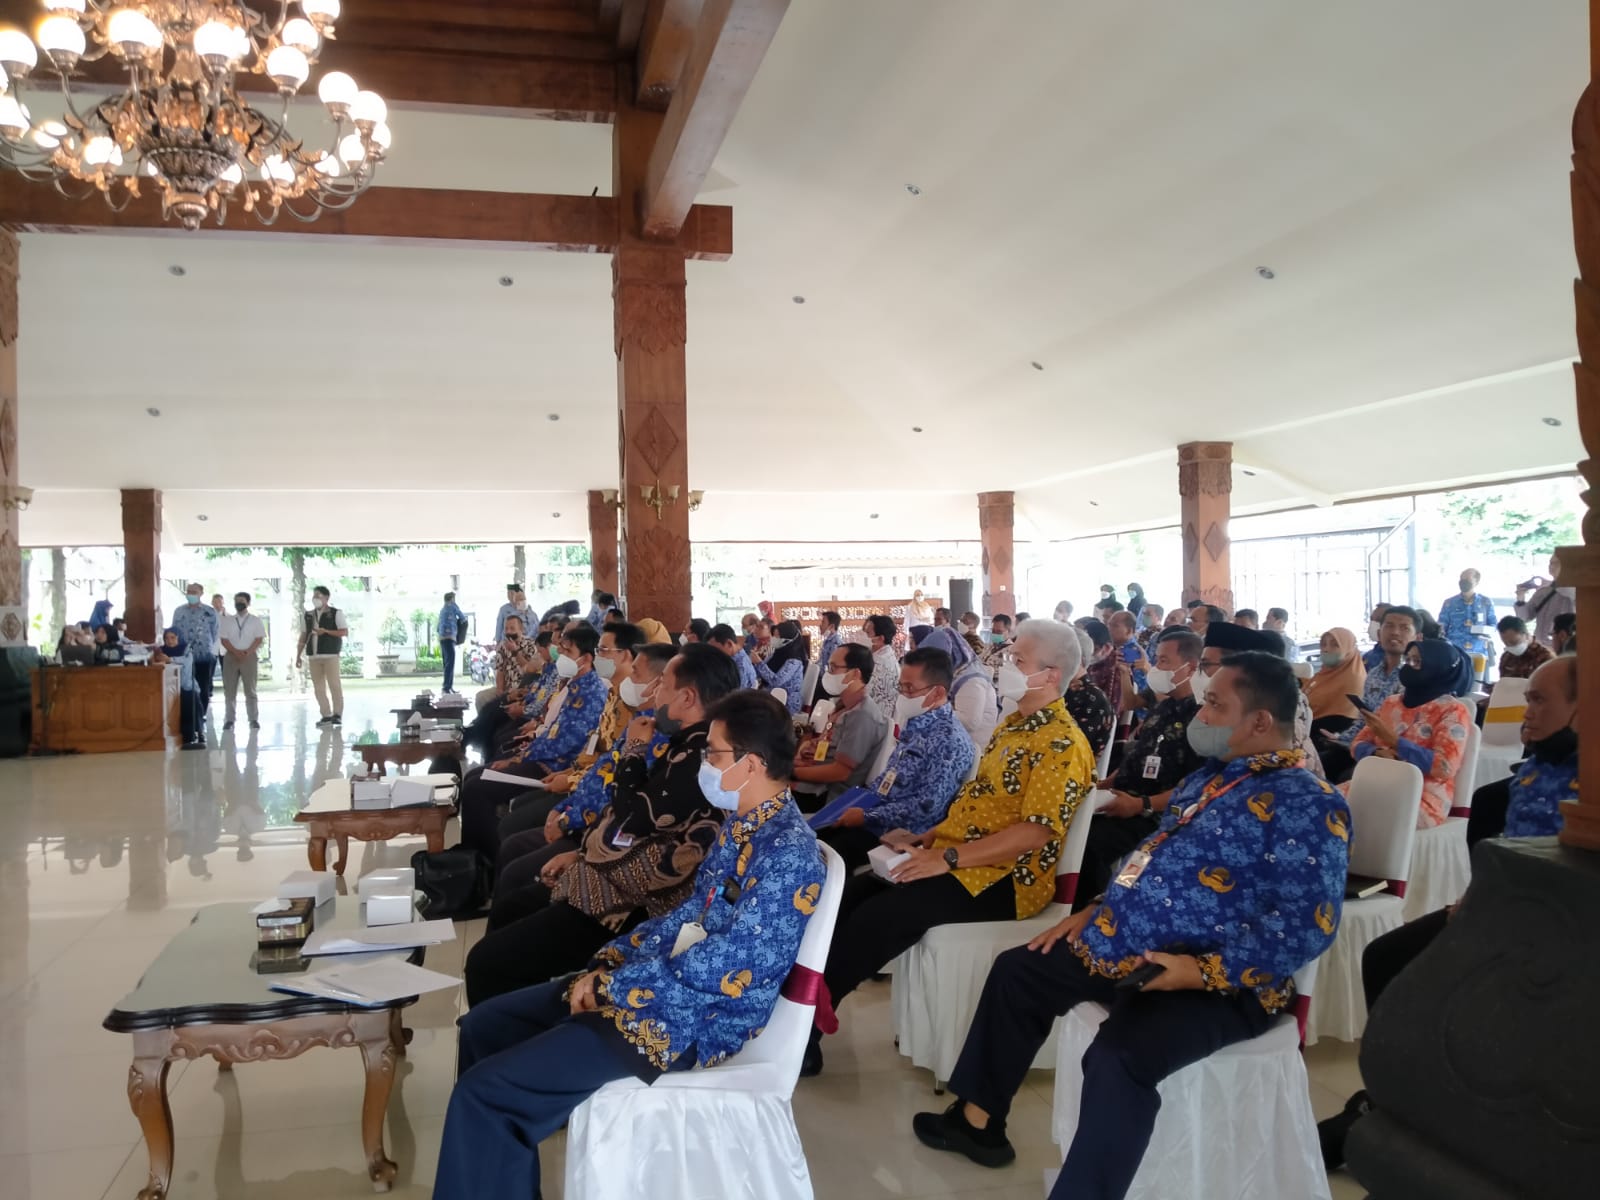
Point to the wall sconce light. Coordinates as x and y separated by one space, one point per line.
657 497
17 497
695 499
612 498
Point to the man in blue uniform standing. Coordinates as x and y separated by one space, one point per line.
1242 885
692 986
1467 619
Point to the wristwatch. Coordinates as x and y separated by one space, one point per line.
952 857
1146 809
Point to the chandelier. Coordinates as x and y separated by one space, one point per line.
179 125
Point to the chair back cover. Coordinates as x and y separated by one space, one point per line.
1385 797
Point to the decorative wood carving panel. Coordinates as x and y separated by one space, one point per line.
1205 487
10 272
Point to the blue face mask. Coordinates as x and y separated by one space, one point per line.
1210 741
710 780
192 599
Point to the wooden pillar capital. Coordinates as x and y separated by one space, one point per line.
996 529
1205 487
141 554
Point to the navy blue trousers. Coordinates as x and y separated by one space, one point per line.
522 1067
1146 1038
447 651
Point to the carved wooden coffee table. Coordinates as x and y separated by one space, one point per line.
377 754
202 997
330 817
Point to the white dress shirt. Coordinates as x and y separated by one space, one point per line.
241 632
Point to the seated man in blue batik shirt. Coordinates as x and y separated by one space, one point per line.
724 639
690 987
931 759
1241 887
1527 805
1397 629
564 736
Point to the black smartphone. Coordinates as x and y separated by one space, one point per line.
1361 705
1135 979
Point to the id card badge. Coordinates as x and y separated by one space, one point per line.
1133 868
691 934
1152 766
886 783
594 739
621 841
822 751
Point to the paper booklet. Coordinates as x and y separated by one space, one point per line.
501 777
856 797
367 984
382 937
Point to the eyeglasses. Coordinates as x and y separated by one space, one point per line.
1208 669
919 692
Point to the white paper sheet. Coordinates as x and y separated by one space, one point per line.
502 777
367 984
383 937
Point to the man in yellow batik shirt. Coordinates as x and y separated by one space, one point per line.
993 858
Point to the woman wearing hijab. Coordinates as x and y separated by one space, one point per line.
655 633
918 635
1423 725
1341 675
101 615
972 692
785 665
173 649
107 649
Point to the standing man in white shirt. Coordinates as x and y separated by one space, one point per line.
242 634
321 642
884 690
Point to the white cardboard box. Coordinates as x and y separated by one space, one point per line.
410 793
369 791
318 885
390 879
388 908
885 859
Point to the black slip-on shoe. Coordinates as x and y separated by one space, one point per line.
950 1130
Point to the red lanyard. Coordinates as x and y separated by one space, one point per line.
1211 792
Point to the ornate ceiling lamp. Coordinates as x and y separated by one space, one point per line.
179 124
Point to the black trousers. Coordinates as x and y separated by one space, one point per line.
556 940
1338 764
480 734
1147 1037
1489 804
519 887
1387 956
205 677
879 920
1111 839
484 802
853 845
447 651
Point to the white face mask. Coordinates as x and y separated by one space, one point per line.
906 707
1160 682
1373 629
604 668
566 667
833 684
630 692
1013 684
319 602
1519 648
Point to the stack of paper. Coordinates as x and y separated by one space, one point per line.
502 777
387 937
367 984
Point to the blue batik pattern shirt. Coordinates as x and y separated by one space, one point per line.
929 764
791 676
1536 795
530 623
1252 885
753 895
559 743
537 697
747 670
1381 684
830 643
1458 615
1131 654
582 807
450 617
198 624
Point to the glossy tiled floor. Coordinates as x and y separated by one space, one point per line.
104 857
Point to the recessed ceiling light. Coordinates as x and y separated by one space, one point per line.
557 516
506 281
1037 366
874 516
1266 272
154 412
799 299
1094 504
913 189
1248 471
1552 421
916 429
201 517
177 271
554 416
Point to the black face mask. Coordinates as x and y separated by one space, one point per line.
666 722
1558 747
240 606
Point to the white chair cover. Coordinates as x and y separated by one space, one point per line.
1102 766
1385 797
670 1140
808 688
937 983
1440 865
781 695
1237 1125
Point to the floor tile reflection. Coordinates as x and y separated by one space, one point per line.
103 858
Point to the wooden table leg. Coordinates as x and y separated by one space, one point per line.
342 840
317 851
147 1095
435 835
375 1033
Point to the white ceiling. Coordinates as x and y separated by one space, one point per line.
1099 184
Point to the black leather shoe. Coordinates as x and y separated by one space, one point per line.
950 1130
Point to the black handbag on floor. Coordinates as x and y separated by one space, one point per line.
455 882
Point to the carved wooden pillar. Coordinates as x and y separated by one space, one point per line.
603 542
141 562
13 615
1580 565
1205 485
996 514
652 388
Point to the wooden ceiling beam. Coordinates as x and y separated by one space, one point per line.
515 14
729 44
510 220
664 45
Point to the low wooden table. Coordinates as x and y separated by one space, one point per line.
377 754
330 816
202 997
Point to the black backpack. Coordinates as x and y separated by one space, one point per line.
454 881
461 630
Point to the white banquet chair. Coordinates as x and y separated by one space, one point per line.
1502 732
1440 865
669 1140
1385 797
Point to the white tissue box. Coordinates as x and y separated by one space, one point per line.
318 886
390 879
365 792
410 793
885 859
388 908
